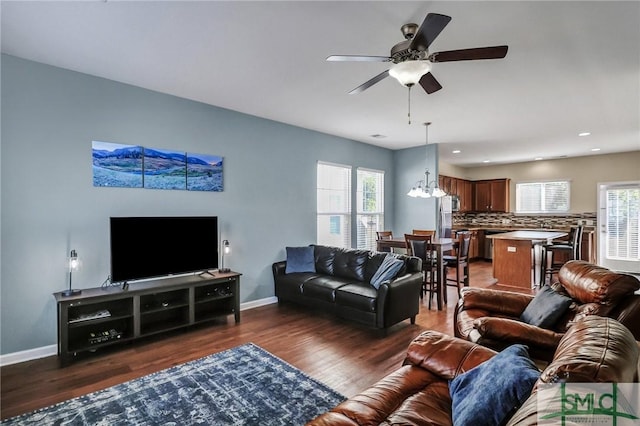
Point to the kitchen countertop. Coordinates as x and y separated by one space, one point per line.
510 228
537 235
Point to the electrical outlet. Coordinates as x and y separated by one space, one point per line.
588 222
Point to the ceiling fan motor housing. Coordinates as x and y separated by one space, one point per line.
401 52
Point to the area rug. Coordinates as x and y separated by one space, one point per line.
245 385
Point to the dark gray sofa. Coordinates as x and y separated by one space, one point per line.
341 286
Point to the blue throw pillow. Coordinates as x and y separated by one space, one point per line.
490 393
300 259
546 308
388 270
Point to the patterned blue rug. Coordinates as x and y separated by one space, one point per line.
245 385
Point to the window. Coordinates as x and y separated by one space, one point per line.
370 211
333 190
542 197
622 241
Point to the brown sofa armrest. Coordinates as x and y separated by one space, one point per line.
502 302
511 331
444 355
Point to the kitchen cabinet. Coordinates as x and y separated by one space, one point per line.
491 195
474 246
460 187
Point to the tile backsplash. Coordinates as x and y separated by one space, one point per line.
534 221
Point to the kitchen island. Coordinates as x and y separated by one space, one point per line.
517 256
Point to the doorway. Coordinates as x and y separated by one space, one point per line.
618 217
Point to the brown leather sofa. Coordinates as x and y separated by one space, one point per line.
492 317
595 349
341 286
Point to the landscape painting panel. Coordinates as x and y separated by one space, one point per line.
116 165
165 169
204 172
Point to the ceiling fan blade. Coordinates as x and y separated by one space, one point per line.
493 52
429 83
370 83
357 58
432 25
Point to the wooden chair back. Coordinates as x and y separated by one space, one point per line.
419 246
384 235
431 232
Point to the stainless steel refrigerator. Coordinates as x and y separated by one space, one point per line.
445 219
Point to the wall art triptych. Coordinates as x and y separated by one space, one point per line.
130 166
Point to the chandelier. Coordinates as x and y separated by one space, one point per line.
425 188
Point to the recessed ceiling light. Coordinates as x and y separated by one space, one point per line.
584 134
486 161
595 149
378 136
538 158
456 151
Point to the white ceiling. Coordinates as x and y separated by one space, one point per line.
571 67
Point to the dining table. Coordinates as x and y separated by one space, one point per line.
440 245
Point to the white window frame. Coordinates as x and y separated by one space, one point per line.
369 221
327 211
542 200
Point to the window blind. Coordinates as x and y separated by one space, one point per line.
370 207
333 205
542 197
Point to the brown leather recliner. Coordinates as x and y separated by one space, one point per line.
492 317
595 349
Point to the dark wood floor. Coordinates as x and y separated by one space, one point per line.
346 357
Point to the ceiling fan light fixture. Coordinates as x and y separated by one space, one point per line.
409 73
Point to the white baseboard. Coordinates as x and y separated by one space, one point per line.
28 355
45 351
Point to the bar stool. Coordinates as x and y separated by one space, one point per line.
420 246
556 254
460 262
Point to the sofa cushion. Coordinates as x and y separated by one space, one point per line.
387 271
350 264
300 259
491 392
323 287
546 308
324 257
588 283
373 263
358 296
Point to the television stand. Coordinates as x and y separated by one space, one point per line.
104 316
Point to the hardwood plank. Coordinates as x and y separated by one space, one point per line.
344 356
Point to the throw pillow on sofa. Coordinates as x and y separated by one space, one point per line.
387 271
300 259
490 393
546 308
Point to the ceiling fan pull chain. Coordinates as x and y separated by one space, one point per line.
409 104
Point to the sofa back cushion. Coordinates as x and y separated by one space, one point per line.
595 349
350 264
588 283
373 263
324 257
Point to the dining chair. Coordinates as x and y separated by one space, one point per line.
420 246
385 235
459 261
431 232
572 247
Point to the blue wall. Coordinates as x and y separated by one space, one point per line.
49 204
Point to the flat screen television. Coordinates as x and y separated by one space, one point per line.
150 247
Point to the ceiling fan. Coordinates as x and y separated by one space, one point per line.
411 58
